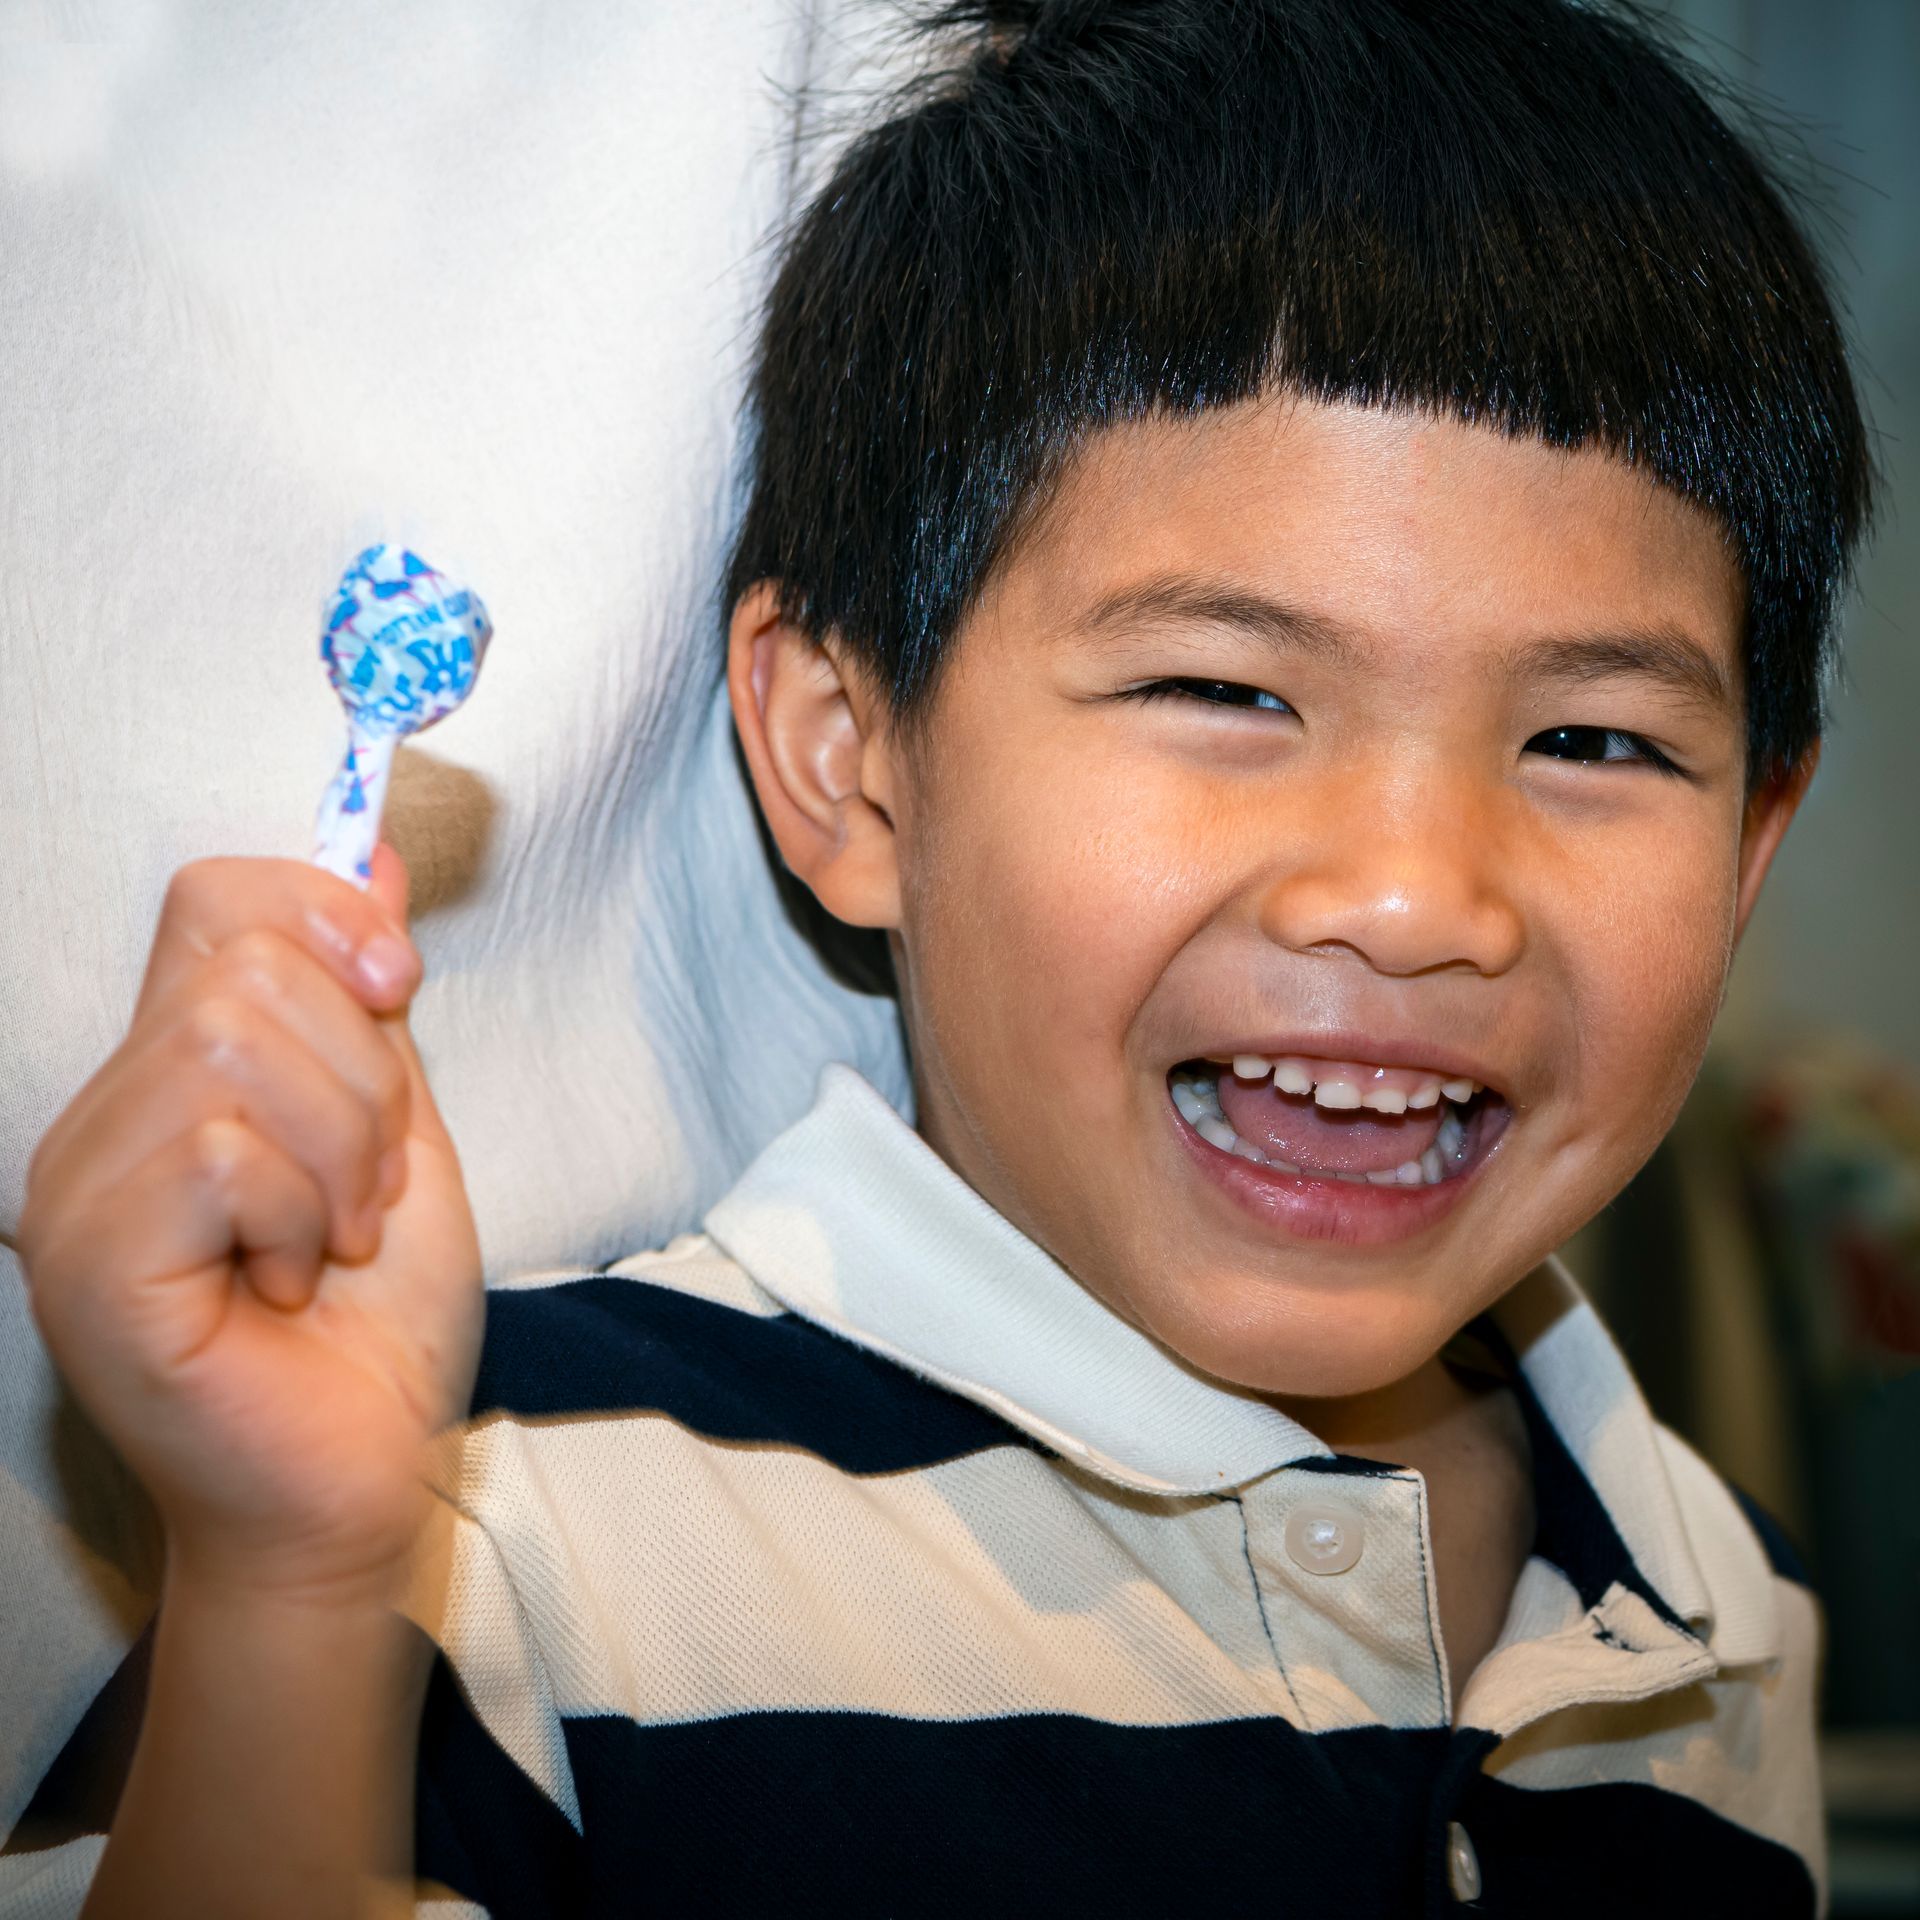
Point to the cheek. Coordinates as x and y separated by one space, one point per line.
1646 936
1054 903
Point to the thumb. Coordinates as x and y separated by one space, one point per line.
389 885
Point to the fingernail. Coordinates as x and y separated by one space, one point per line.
386 964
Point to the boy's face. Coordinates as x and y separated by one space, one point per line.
1410 829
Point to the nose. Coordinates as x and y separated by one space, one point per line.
1417 876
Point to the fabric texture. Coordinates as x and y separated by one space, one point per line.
845 1556
479 276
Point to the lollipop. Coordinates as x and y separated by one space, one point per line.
403 644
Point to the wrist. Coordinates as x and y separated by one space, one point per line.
365 1580
274 1770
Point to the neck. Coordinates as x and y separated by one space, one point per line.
1397 1423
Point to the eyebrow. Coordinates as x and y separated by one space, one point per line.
1173 600
1663 654
1667 656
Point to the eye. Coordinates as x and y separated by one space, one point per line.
1597 746
1213 693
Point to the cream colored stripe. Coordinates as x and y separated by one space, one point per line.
51 1885
689 1263
674 1578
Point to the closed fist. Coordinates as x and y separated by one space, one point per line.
247 1241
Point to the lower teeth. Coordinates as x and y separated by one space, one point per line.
1197 1096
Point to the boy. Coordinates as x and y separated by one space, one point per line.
1288 570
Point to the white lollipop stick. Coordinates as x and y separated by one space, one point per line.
403 646
348 829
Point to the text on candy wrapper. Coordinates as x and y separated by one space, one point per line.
451 608
443 669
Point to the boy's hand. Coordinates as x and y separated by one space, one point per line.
247 1241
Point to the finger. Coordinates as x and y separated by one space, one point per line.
210 902
304 997
154 1256
276 1213
224 1058
424 1119
288 984
391 884
267 966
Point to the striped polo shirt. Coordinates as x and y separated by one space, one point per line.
848 1557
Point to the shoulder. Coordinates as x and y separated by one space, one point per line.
686 1332
1744 1541
691 1266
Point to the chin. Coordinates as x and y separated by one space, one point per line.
1303 1343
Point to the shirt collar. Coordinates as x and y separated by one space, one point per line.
852 1221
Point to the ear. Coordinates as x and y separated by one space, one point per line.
1769 812
821 757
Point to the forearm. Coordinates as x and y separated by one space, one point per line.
274 1772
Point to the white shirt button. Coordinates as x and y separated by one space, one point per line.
1463 1864
1324 1539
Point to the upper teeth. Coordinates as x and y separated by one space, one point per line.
1197 1095
1348 1088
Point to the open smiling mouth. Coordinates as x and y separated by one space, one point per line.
1399 1131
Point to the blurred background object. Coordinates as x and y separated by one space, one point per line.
1763 1275
1763 1272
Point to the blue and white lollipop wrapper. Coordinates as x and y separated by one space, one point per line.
403 644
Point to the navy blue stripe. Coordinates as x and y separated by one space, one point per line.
861 1814
80 1793
1782 1555
1573 1530
611 1345
865 1814
1599 1852
1353 1466
482 1829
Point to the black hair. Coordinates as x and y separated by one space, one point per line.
1526 213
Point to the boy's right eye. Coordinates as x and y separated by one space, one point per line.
1217 693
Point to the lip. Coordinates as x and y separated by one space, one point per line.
1309 1207
1375 1050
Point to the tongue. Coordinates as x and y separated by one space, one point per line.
1289 1127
